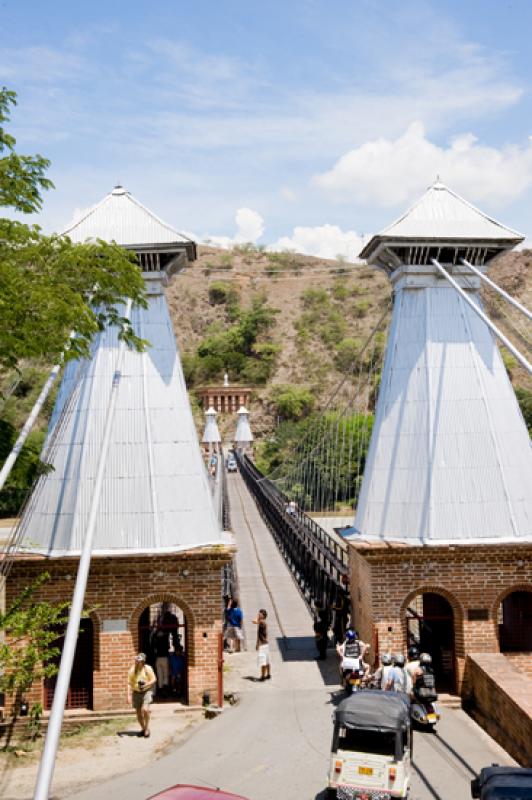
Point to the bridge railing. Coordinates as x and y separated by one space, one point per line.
318 561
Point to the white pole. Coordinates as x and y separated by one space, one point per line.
506 342
47 764
23 435
498 289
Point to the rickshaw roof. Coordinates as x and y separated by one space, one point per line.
376 710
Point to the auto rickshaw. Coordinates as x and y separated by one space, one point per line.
503 783
371 747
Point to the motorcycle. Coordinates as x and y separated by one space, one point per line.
352 679
424 713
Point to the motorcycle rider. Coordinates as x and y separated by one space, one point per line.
424 685
380 677
351 652
412 667
397 676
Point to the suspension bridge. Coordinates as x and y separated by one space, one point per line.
422 448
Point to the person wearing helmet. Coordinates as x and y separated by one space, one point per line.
424 685
380 677
397 676
412 667
351 650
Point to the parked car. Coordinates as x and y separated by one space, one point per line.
184 791
503 783
231 464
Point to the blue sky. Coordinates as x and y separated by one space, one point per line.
316 121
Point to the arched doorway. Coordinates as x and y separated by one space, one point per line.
514 618
430 626
163 637
80 687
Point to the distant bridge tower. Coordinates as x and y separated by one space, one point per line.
243 435
211 434
446 498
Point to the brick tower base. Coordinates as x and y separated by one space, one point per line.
118 590
473 579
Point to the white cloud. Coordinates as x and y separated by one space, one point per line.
249 228
389 172
323 241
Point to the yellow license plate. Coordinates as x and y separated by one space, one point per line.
432 717
365 771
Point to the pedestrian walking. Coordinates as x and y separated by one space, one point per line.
263 648
140 681
234 631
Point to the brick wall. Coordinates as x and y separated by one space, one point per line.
521 661
121 588
386 578
500 699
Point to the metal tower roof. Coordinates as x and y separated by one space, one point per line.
441 215
119 217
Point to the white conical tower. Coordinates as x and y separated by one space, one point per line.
243 435
211 434
156 496
450 457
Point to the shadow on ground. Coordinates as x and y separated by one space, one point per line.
303 648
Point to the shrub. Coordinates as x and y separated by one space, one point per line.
340 292
315 298
347 353
361 308
292 402
221 292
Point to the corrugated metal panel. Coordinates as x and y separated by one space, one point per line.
122 219
442 214
156 496
450 458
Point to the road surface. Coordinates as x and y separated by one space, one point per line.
274 744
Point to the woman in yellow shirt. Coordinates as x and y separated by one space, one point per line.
140 681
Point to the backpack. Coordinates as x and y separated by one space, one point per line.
352 649
425 686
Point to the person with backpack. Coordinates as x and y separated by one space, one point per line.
424 684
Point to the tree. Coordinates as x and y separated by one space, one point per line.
28 649
49 286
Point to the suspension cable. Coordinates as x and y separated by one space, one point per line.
500 335
497 288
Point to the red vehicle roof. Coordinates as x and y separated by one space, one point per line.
186 792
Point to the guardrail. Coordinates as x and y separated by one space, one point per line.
318 561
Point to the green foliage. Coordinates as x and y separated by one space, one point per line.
340 292
226 261
361 308
26 469
222 293
524 398
29 648
292 402
50 287
22 178
347 354
508 360
238 348
315 299
284 261
309 474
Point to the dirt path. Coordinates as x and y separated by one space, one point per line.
96 754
